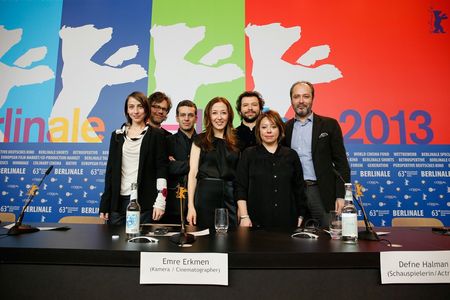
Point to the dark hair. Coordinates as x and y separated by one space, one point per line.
158 97
206 139
249 94
302 82
187 103
142 99
273 117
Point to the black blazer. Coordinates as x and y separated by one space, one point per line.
153 162
328 151
178 146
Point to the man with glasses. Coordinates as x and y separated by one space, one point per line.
179 148
160 105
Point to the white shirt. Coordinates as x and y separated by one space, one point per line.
130 162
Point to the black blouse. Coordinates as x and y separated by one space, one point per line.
217 163
246 137
272 184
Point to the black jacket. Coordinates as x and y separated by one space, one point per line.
179 147
152 165
328 152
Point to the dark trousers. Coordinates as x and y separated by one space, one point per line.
212 193
118 217
172 213
315 206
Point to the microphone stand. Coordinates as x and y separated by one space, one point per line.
18 227
183 237
369 234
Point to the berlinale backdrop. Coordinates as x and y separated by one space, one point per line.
381 68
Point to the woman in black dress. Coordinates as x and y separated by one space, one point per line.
269 184
213 162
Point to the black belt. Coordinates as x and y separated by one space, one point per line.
310 182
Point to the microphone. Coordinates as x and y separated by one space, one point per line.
369 234
339 175
46 173
18 228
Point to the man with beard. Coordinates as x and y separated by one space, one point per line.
179 148
249 105
160 105
319 144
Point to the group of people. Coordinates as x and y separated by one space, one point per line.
267 173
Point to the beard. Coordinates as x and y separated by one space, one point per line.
157 121
250 120
303 112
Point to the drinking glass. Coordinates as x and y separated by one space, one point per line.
335 225
221 220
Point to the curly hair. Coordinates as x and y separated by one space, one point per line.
249 94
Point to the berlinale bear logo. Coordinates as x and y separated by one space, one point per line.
438 16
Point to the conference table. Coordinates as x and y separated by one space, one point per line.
87 262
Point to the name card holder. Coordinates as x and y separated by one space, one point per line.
415 267
184 268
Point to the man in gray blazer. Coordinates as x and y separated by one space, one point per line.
319 144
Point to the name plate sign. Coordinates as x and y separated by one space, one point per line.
415 267
184 268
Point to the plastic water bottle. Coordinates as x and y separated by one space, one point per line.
133 214
349 217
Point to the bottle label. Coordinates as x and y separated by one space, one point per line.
132 222
349 224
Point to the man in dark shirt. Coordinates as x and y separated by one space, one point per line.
160 105
179 149
249 105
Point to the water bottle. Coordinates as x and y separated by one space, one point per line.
349 217
133 214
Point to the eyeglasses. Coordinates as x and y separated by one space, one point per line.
157 107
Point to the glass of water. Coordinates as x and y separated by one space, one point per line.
335 225
221 220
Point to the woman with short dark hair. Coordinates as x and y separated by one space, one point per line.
269 183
